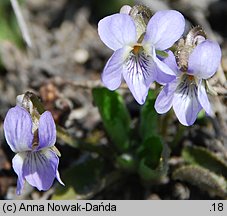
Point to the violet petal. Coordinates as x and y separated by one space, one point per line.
203 99
117 30
18 129
17 164
112 73
164 100
46 131
138 75
40 168
185 104
164 29
205 59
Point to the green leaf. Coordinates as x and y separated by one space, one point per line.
149 117
126 162
205 158
9 29
85 180
147 173
150 151
114 115
153 166
80 180
201 115
208 181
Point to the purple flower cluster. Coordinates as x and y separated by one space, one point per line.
141 58
135 56
186 93
32 140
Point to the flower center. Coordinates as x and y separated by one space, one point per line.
137 49
187 86
191 78
188 79
138 63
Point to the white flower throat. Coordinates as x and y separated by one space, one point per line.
187 86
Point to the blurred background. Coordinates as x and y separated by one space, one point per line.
63 65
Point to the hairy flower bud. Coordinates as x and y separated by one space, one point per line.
186 45
141 15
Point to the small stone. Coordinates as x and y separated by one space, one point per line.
81 56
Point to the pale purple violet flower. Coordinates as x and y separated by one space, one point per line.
135 58
35 161
186 93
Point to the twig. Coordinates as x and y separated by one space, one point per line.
88 84
21 22
103 151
